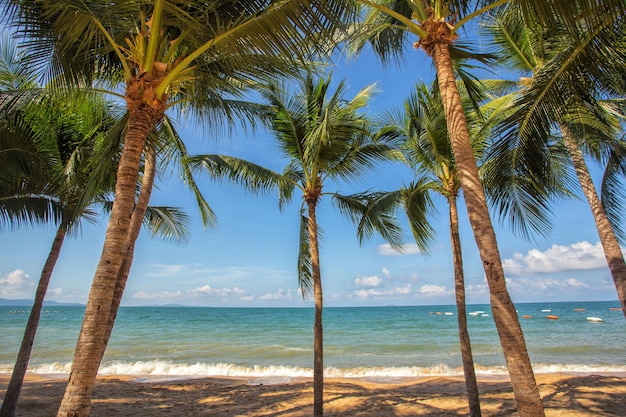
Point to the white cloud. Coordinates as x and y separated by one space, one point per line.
205 291
368 282
388 250
577 256
431 290
208 291
543 286
16 284
281 294
163 295
386 272
376 293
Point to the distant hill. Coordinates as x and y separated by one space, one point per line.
29 303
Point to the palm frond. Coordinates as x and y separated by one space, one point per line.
169 223
305 268
613 191
372 212
252 177
177 151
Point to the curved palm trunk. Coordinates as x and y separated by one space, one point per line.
318 332
90 347
459 289
143 200
612 251
504 314
19 371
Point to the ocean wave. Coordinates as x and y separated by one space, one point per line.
168 368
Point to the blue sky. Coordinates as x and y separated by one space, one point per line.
249 259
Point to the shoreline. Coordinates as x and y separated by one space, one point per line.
563 394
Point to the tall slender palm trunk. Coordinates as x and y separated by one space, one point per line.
21 364
318 331
610 244
143 200
90 347
505 316
459 290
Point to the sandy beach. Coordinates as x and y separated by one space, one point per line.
563 395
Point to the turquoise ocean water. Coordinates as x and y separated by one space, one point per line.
373 342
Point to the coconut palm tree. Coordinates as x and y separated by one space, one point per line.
325 138
559 111
66 132
434 26
25 168
161 54
420 127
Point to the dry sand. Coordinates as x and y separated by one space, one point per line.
563 395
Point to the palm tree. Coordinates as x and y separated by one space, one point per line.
25 189
66 132
435 25
163 54
567 81
421 130
325 138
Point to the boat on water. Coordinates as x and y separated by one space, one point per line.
546 311
615 308
579 309
551 317
595 319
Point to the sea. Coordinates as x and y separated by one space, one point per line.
276 344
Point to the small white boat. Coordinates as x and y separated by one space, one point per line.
484 315
546 311
447 313
595 319
473 313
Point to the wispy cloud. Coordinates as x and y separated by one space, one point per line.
381 293
558 258
204 271
543 286
202 292
407 249
281 294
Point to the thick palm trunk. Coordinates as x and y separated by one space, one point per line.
136 221
19 371
318 332
90 347
504 314
612 251
459 289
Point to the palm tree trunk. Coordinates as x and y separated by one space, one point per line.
318 332
504 314
612 251
459 289
19 371
143 200
90 347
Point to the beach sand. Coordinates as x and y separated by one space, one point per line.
563 395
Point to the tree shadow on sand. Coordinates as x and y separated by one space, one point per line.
576 396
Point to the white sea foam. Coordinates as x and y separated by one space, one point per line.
284 373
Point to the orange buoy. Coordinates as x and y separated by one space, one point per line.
526 317
552 317
615 308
